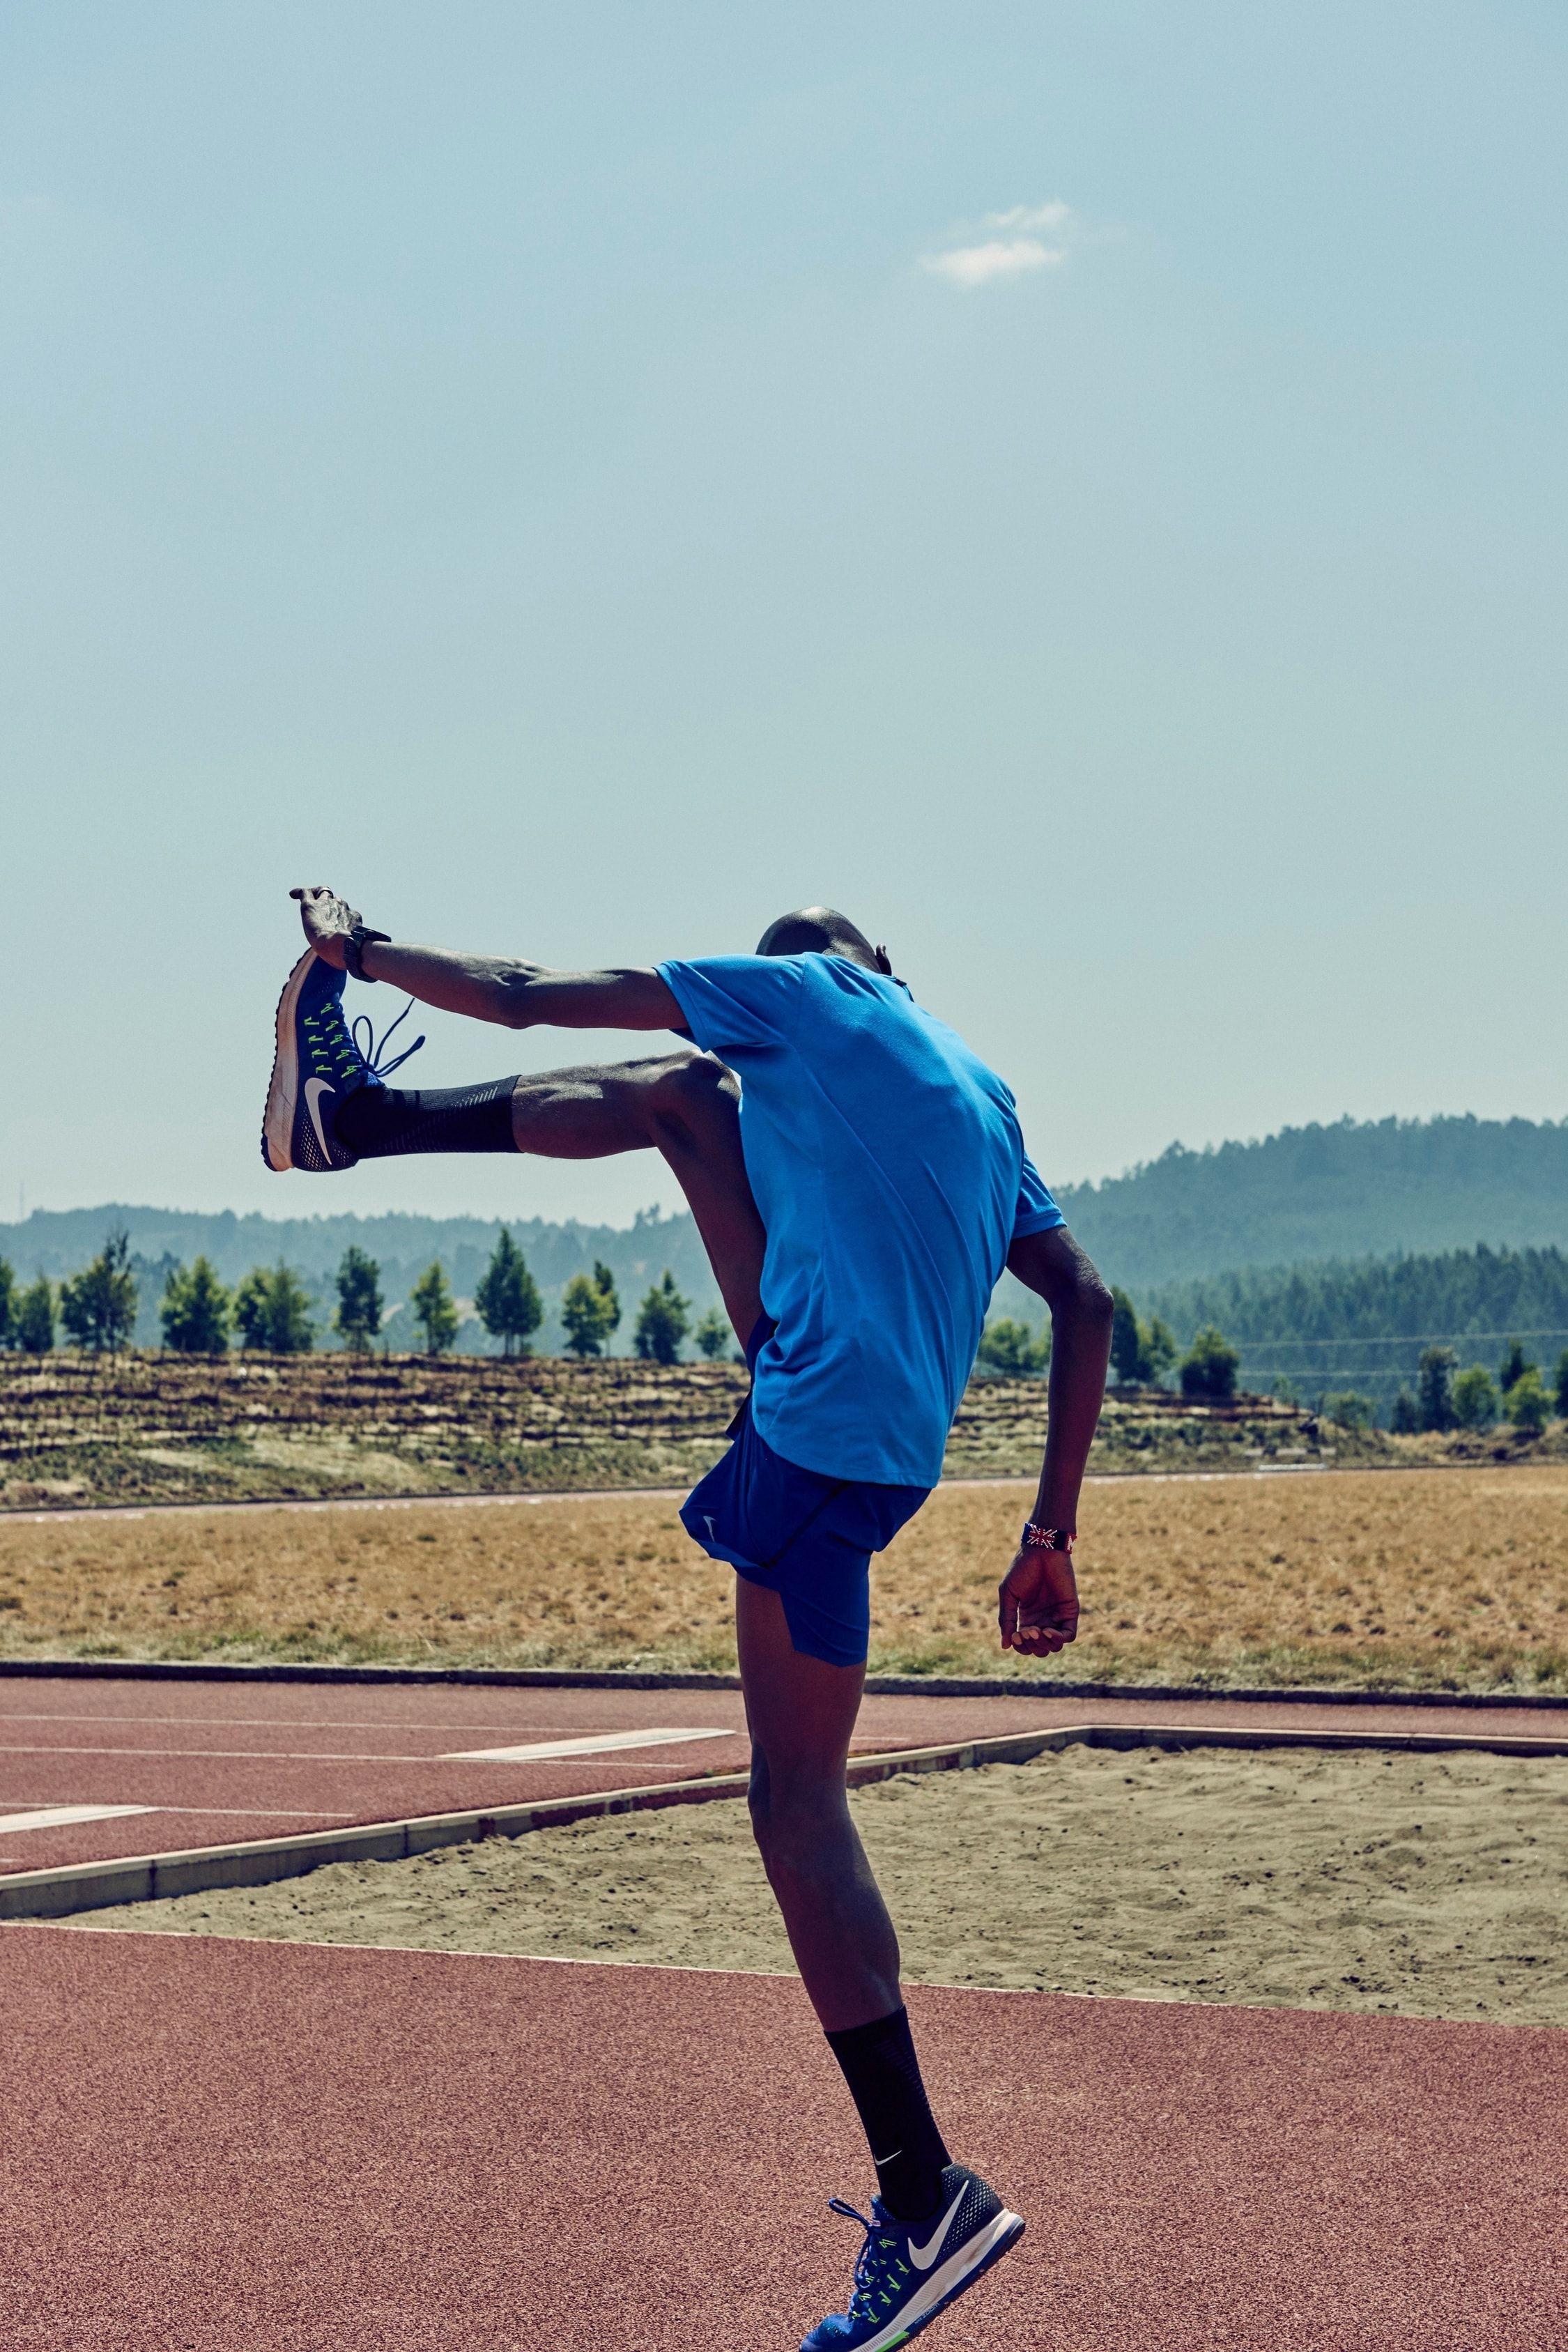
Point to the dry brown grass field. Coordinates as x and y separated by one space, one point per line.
1453 1579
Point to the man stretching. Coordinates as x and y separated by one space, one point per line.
859 1181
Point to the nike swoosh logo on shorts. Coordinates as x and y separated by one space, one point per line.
314 1089
923 2256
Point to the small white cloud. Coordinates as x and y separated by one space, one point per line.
980 265
1027 217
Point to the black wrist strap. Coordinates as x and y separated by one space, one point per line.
354 946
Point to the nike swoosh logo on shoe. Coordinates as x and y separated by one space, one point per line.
923 2256
314 1089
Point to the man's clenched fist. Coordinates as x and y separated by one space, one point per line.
328 920
1038 1603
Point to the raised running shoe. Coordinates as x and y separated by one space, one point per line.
905 2276
318 1063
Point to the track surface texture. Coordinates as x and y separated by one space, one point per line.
219 2145
216 1763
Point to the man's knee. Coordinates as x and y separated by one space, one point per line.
696 1099
794 1821
698 1085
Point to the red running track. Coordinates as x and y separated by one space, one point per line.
217 2145
220 1763
216 1763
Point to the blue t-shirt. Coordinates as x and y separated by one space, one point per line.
890 1173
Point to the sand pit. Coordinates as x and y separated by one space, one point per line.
1429 1886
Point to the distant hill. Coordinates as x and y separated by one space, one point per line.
1311 1193
1348 1191
1306 1329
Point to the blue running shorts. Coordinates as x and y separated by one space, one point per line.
807 1537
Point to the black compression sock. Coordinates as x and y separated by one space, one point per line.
377 1122
884 2078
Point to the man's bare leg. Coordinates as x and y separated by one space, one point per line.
800 1711
683 1104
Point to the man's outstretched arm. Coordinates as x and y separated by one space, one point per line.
494 988
1038 1600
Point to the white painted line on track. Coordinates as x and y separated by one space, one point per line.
104 1721
595 1744
559 1748
60 1817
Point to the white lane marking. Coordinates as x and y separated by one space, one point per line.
595 1745
600 1743
103 1722
223 1755
60 1817
240 1812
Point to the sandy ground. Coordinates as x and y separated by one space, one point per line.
1433 1887
1447 1579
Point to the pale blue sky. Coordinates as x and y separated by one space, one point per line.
544 471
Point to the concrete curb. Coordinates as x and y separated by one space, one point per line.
91 1885
877 1686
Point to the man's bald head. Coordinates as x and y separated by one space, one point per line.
822 930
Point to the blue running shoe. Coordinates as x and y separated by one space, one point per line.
904 2277
318 1063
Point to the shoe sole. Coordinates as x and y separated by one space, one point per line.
283 1086
954 2278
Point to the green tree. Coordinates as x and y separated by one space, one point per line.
1514 1365
1010 1347
1527 1407
293 1331
1348 1409
586 1316
1404 1418
36 1317
662 1323
1435 1388
1156 1352
712 1334
1209 1367
1126 1339
1562 1384
604 1283
271 1310
1474 1398
250 1301
434 1311
8 1299
97 1305
507 1301
359 1307
195 1310
1140 1353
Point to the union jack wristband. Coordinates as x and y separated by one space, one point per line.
1037 1538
